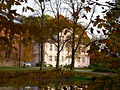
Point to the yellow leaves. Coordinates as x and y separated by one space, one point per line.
2 6
101 25
28 53
109 18
85 38
9 3
118 43
88 9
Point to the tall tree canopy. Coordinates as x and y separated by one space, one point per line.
111 45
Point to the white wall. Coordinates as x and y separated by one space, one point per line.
84 59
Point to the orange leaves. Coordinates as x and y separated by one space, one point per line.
109 18
75 14
108 41
101 25
88 9
98 20
60 22
114 49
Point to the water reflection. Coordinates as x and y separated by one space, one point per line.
43 88
104 83
65 87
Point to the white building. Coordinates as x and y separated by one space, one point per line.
50 55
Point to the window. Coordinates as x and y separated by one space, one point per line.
61 37
62 58
55 48
55 58
50 58
79 59
50 47
83 59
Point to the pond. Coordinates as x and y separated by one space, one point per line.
104 83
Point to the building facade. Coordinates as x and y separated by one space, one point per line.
50 56
82 58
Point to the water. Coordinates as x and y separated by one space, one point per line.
104 83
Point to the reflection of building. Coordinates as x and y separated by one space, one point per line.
50 55
65 87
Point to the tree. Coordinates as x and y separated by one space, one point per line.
59 24
58 33
110 22
27 47
76 7
42 5
38 33
10 26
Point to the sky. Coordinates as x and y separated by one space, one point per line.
31 3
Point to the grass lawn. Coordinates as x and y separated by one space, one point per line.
13 68
81 69
35 68
84 69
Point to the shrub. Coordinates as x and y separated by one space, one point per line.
100 68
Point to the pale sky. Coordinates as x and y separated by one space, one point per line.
32 4
84 22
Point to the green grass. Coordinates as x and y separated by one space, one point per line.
13 68
80 69
84 69
79 78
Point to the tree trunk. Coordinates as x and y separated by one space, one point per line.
57 61
58 51
73 56
19 51
42 55
73 59
73 48
39 52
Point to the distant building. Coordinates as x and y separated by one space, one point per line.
50 55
